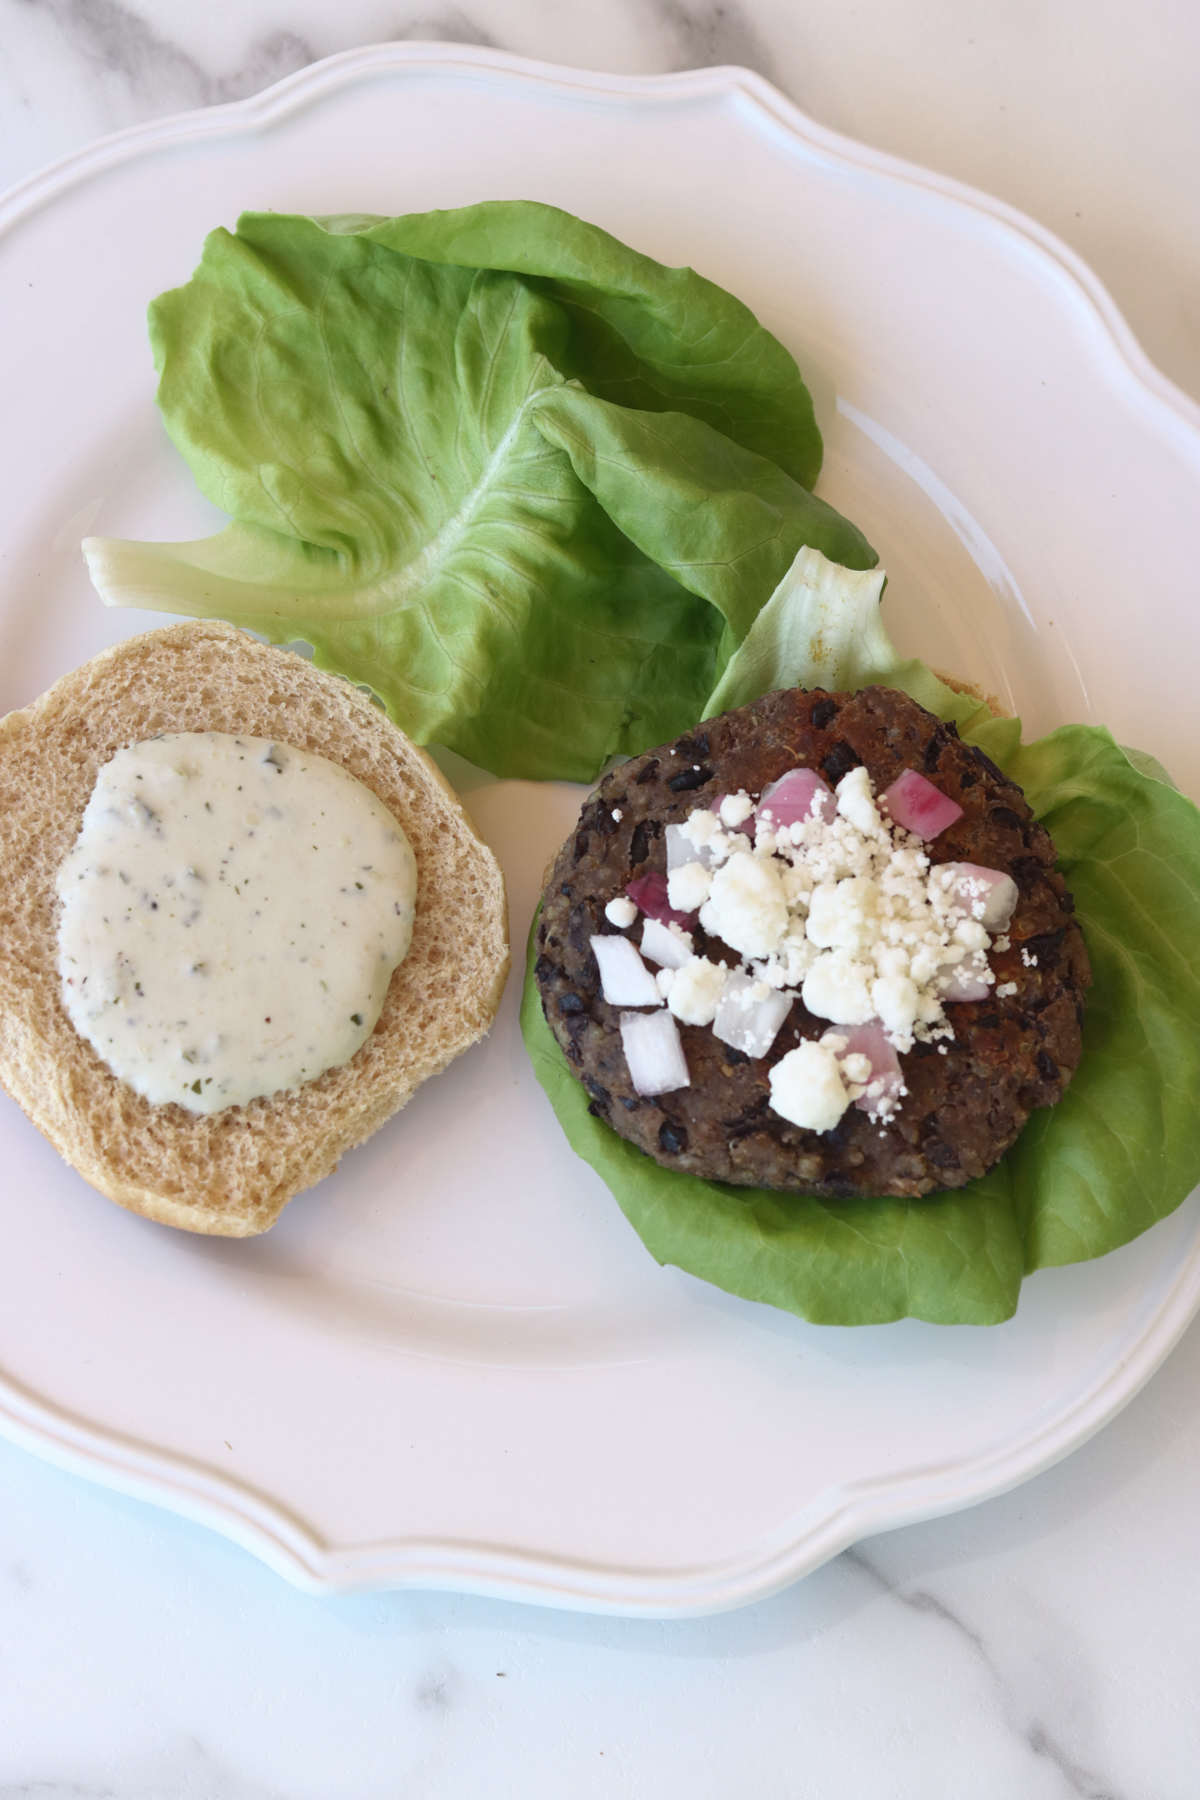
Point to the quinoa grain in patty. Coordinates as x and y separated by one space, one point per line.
968 1095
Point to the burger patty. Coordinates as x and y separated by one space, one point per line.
967 1100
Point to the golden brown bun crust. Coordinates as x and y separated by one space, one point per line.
231 1173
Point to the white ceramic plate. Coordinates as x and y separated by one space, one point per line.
453 1363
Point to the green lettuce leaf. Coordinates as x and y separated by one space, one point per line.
525 484
1119 1151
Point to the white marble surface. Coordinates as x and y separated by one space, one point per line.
1044 1644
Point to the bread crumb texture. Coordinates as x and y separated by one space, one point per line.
231 1173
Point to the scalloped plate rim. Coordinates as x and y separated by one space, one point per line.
849 1512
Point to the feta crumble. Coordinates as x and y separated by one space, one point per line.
621 912
695 991
746 907
807 1087
843 909
687 887
848 910
735 809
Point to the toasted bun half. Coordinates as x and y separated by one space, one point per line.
232 1172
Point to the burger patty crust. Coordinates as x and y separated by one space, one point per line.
964 1107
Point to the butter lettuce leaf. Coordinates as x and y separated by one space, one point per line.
527 485
952 1258
1121 1149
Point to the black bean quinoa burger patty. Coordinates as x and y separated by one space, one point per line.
963 1108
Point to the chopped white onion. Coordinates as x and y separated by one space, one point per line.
967 981
971 886
654 1052
748 1023
624 977
669 949
681 850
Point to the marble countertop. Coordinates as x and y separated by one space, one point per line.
1044 1644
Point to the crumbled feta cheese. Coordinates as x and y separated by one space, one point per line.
687 887
621 912
897 1003
617 814
856 803
971 934
845 908
701 827
788 967
735 810
807 1087
928 960
838 987
695 992
797 886
1006 990
844 915
746 907
726 844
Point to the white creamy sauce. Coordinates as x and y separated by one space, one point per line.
232 913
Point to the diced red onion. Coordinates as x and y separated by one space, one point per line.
751 1028
662 946
916 805
967 982
790 800
972 884
624 977
869 1040
649 893
654 1052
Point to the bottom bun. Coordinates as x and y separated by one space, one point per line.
230 1173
